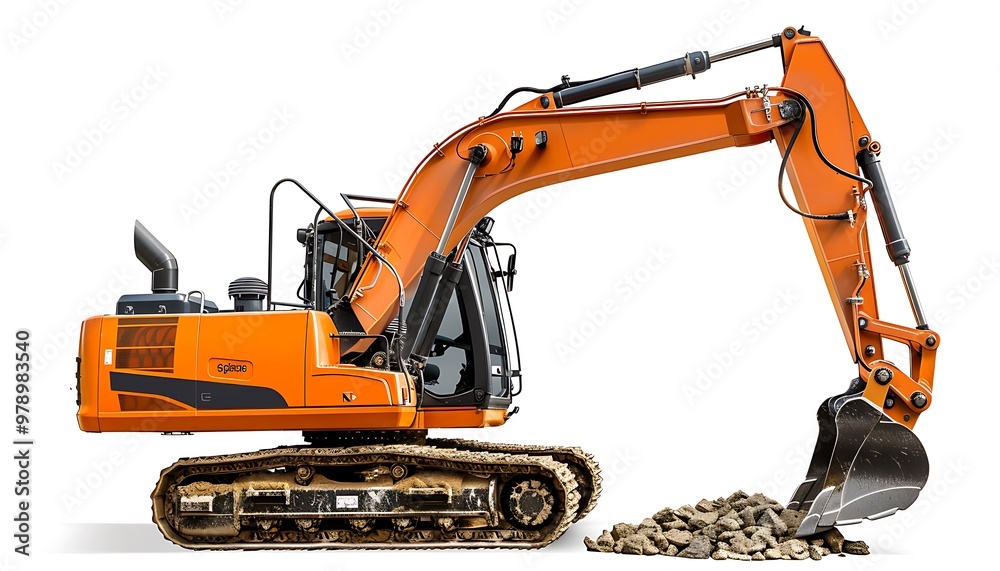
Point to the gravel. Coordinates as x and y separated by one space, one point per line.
742 527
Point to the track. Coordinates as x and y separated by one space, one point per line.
583 464
445 494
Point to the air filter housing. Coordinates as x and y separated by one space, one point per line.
248 294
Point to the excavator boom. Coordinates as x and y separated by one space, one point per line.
867 463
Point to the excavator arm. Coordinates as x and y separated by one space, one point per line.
867 462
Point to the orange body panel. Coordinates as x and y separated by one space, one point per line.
232 371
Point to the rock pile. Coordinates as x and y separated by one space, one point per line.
741 527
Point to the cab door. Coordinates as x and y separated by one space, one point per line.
470 348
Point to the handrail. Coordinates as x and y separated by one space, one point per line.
361 242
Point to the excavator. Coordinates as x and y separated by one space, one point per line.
402 324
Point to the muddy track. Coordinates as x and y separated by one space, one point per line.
582 463
426 457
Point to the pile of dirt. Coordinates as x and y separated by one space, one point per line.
742 527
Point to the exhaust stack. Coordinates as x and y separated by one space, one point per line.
157 259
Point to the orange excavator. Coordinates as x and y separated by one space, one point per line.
402 324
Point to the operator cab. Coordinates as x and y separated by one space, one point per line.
474 360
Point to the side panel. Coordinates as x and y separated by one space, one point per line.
231 372
331 384
251 360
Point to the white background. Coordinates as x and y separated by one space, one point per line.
366 84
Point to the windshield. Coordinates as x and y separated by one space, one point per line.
454 345
339 262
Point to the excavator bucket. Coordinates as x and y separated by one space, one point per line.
865 466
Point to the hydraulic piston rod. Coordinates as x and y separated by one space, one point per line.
691 64
772 42
895 243
477 155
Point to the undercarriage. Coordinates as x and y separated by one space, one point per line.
440 494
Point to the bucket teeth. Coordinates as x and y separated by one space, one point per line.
865 466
